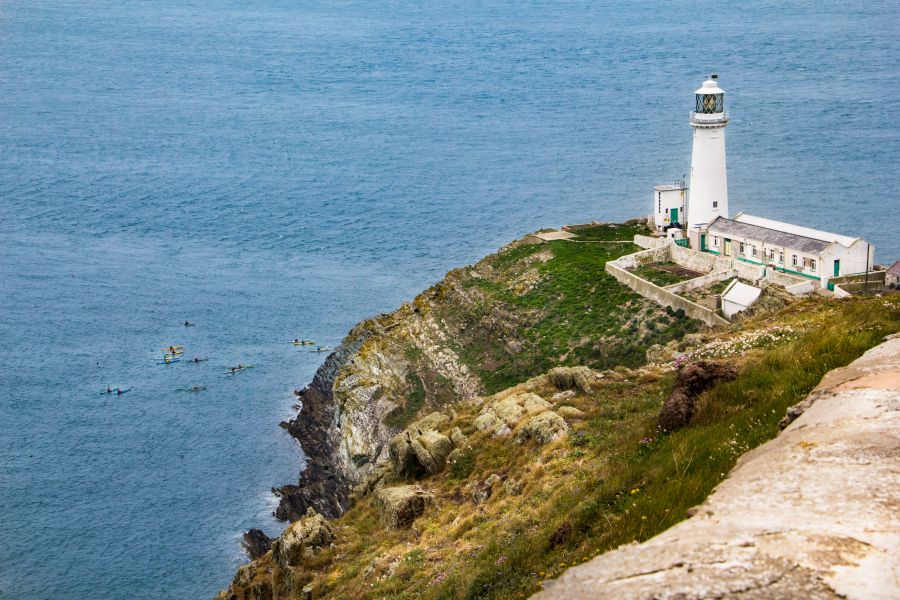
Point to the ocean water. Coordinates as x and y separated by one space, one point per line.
270 169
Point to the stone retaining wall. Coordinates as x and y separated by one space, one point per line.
659 295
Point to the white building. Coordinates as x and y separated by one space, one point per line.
669 202
793 249
737 297
709 182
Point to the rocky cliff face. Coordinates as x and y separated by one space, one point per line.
484 326
383 368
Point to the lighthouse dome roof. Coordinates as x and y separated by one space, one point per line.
710 86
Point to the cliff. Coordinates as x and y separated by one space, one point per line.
525 415
531 306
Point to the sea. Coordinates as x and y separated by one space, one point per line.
274 169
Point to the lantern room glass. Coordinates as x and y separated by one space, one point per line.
708 104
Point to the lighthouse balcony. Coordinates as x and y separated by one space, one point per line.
709 119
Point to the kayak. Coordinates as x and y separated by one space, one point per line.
229 371
120 392
168 362
198 360
303 343
172 347
321 350
199 388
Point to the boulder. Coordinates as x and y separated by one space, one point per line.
532 403
569 412
420 449
456 436
572 378
508 410
303 539
480 491
501 416
543 428
256 543
399 506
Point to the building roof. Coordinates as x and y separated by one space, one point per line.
667 187
741 293
774 237
825 236
895 269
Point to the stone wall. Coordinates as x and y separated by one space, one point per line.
702 281
659 295
647 241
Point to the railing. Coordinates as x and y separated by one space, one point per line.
711 118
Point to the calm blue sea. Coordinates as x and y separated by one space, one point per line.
271 168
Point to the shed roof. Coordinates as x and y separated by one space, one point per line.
895 269
774 237
741 293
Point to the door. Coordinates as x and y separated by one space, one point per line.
703 242
837 268
673 215
727 247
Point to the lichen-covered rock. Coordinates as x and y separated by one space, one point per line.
399 506
569 412
501 416
532 403
512 487
420 449
572 378
456 436
303 539
543 428
508 410
480 492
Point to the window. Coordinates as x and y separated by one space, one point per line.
753 250
809 263
780 256
794 261
742 248
715 205
771 253
715 241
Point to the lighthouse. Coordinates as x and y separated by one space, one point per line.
709 184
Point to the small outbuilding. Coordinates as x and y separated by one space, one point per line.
892 276
738 297
669 206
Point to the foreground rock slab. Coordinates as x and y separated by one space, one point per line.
814 513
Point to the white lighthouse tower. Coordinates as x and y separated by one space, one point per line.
709 185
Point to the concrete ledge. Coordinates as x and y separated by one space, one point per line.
810 514
699 282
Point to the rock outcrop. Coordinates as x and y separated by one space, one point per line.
810 514
399 506
303 539
256 543
421 449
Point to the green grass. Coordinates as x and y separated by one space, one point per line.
577 314
660 277
649 487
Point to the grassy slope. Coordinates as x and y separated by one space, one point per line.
601 486
568 312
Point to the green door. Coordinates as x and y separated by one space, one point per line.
837 268
703 242
673 215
